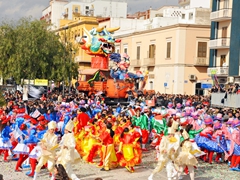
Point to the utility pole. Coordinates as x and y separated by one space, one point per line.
65 54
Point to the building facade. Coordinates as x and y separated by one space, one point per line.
72 9
176 56
225 41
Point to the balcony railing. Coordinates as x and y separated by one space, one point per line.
135 62
221 71
149 62
183 2
201 61
221 15
221 43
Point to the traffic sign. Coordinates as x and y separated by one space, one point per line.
206 85
165 84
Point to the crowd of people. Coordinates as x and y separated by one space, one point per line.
55 131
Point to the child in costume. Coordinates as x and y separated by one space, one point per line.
185 157
48 150
235 147
5 144
127 141
168 147
68 154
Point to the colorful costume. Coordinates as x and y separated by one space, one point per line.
68 154
48 148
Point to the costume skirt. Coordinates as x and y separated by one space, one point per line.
36 152
5 145
236 150
21 149
210 145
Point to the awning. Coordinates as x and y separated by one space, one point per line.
91 71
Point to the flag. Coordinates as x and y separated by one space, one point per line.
17 133
35 114
215 81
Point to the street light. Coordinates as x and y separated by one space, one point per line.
65 58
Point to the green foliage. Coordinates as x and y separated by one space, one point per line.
28 50
2 99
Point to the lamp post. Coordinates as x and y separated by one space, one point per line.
65 58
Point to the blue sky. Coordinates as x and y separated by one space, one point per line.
15 9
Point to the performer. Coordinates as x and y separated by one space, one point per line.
185 158
22 149
68 154
5 144
109 154
167 148
48 147
126 146
235 147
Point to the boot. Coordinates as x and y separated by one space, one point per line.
150 177
35 176
33 163
5 156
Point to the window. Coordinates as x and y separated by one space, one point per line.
168 50
138 52
76 10
183 16
125 50
190 15
152 48
202 49
87 7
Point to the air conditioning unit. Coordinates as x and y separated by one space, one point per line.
223 71
237 80
192 77
230 79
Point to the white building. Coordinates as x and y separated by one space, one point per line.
64 9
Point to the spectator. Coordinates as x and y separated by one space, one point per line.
1 177
60 173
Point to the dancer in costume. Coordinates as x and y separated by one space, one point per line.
48 150
235 147
186 158
5 144
129 159
167 148
68 154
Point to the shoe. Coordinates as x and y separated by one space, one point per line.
91 162
234 169
104 169
132 170
128 168
18 170
100 164
26 166
30 175
6 160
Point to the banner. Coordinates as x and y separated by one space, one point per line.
41 82
36 92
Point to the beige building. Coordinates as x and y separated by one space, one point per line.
175 56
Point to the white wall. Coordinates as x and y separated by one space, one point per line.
200 3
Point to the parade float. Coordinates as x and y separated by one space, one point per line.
113 82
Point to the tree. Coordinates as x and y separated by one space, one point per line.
28 50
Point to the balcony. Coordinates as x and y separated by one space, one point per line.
183 2
135 63
76 14
220 71
221 15
221 43
201 61
149 62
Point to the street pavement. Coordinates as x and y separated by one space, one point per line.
86 171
